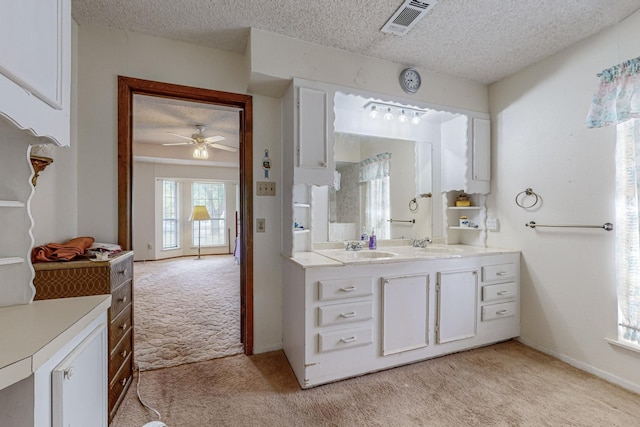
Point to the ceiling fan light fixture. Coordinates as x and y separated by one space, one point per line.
201 152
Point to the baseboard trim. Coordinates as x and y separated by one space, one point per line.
584 367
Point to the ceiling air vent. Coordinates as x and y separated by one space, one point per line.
407 15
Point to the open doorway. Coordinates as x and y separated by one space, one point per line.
242 104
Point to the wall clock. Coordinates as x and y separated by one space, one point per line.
410 80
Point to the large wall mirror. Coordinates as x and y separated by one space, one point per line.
387 172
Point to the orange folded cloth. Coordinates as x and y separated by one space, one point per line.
61 251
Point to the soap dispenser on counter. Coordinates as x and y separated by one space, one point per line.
373 243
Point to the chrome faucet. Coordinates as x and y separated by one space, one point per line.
421 243
353 246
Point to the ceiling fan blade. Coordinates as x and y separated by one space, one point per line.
181 136
178 143
224 147
212 139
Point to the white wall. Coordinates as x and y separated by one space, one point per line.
540 141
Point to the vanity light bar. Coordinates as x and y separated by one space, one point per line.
392 111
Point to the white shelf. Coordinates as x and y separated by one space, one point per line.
11 260
306 230
301 205
467 228
11 204
459 208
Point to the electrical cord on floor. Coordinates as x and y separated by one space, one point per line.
158 423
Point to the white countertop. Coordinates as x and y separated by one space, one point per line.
390 254
31 333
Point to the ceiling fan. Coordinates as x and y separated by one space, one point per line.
202 142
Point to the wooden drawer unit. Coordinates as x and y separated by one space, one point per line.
85 277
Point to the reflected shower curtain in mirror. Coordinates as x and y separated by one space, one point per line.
374 173
617 102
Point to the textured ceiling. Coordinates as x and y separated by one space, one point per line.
479 40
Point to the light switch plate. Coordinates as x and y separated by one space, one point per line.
493 224
265 188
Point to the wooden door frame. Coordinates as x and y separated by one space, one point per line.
127 87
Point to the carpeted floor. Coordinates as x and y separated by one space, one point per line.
186 310
507 384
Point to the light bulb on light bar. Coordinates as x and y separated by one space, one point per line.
388 116
373 113
403 117
416 119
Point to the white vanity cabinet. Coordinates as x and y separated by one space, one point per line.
457 305
35 66
343 320
53 370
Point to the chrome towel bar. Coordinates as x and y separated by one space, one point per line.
606 226
412 221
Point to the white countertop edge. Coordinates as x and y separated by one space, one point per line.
35 332
316 259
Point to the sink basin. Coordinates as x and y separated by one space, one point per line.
373 254
439 250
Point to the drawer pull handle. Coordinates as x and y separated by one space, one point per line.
124 353
123 326
123 382
348 340
501 273
348 289
323 164
501 312
123 271
123 299
347 315
503 292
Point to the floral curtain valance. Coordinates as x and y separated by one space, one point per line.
617 97
375 167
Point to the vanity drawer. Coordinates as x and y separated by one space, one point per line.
498 292
498 311
344 288
494 273
345 313
345 338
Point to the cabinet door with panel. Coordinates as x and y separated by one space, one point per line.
457 305
314 145
405 313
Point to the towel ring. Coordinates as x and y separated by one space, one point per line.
413 205
528 192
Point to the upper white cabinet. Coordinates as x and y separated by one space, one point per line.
313 141
466 155
35 66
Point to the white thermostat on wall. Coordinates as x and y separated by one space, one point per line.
493 224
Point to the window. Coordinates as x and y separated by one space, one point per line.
628 229
211 195
169 214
